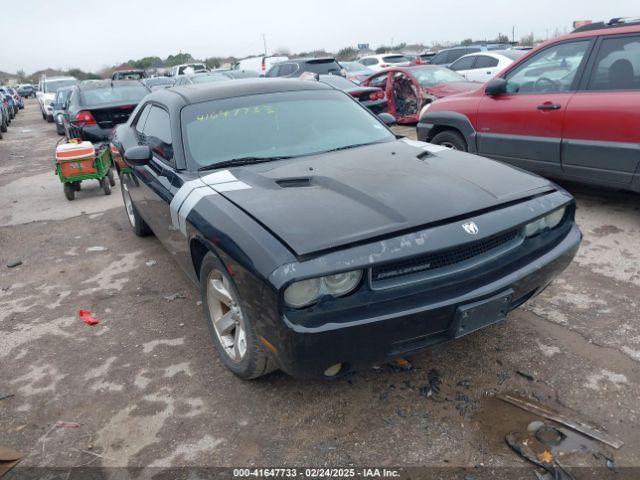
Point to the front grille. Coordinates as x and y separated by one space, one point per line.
432 262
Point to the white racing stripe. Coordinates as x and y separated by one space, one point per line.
193 191
429 147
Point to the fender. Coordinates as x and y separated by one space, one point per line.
428 126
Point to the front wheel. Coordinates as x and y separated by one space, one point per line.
230 327
450 139
3 127
139 226
106 188
69 191
112 180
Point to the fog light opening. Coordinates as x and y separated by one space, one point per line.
333 370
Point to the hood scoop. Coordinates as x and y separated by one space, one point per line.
294 182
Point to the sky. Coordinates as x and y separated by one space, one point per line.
91 34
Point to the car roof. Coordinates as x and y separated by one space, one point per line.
203 92
97 84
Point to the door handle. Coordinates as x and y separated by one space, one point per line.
549 106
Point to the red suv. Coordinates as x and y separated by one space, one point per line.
569 109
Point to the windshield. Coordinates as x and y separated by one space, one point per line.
208 78
280 124
53 85
122 94
430 76
395 59
151 82
353 66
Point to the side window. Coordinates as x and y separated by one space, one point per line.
465 63
456 53
617 66
157 133
439 59
287 69
273 71
142 118
369 61
486 62
551 70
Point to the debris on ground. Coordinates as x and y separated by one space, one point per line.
87 317
150 263
578 426
432 388
96 249
63 424
400 365
526 375
9 458
8 395
173 296
14 263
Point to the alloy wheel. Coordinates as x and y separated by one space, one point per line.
226 316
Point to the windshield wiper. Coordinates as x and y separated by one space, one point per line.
355 145
236 162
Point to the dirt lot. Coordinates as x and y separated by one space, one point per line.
147 389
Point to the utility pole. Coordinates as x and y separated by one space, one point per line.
264 41
513 34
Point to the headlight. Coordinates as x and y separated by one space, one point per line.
304 293
545 223
301 294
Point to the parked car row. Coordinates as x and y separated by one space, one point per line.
11 102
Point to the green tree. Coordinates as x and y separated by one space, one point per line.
213 62
527 40
347 53
466 41
178 59
502 38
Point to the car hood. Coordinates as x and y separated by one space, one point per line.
331 200
446 89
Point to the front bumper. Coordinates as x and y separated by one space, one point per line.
308 352
423 131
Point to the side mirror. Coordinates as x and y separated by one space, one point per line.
496 86
137 156
388 119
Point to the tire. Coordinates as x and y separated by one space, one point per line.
49 118
3 127
69 191
76 186
139 226
112 180
44 115
451 139
254 362
106 188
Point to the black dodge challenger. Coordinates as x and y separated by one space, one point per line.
322 242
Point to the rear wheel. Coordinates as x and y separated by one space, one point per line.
112 180
69 191
3 127
139 226
106 188
231 329
450 139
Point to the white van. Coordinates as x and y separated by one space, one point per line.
260 64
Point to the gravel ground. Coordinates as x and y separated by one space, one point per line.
146 388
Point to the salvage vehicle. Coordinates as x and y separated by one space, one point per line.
59 107
568 109
482 67
371 97
296 67
155 83
27 91
205 77
136 74
10 102
188 68
356 72
387 60
322 243
447 56
261 65
96 107
408 89
46 93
